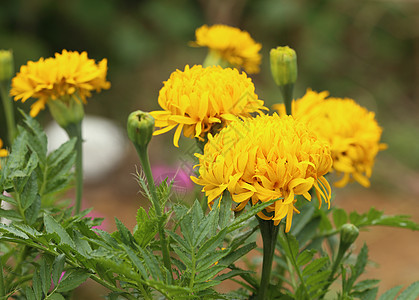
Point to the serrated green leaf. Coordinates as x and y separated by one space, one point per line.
305 256
361 261
225 210
53 227
145 230
370 294
316 278
209 260
208 273
205 285
152 264
32 213
236 254
366 285
180 242
340 217
391 293
71 280
12 230
186 228
38 138
37 285
136 261
212 243
58 268
30 231
124 233
66 150
10 214
232 274
183 255
241 238
30 191
315 266
56 296
45 273
410 293
30 295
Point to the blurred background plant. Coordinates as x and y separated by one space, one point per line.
366 50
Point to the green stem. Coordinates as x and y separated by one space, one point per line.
75 130
2 287
269 234
8 110
145 162
287 91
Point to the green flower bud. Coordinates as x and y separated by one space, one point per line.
6 65
140 128
284 65
348 234
66 111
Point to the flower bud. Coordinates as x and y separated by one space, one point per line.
66 112
6 65
348 234
140 128
284 65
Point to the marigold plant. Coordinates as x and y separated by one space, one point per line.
264 158
351 130
231 44
200 100
68 74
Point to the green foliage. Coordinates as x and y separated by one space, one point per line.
45 242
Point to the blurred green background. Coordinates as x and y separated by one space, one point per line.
362 49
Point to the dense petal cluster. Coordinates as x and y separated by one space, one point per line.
232 44
67 74
351 130
264 158
198 100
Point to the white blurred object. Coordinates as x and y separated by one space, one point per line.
104 145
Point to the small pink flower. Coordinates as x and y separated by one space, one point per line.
182 184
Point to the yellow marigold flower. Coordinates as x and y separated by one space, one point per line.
3 152
69 74
264 158
198 100
351 130
232 44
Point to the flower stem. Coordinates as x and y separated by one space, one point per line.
8 110
145 162
75 130
269 234
287 91
2 287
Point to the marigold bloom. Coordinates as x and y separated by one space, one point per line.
69 74
264 158
351 130
232 44
197 99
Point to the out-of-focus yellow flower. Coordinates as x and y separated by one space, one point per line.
351 130
3 152
232 45
200 100
264 158
65 76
